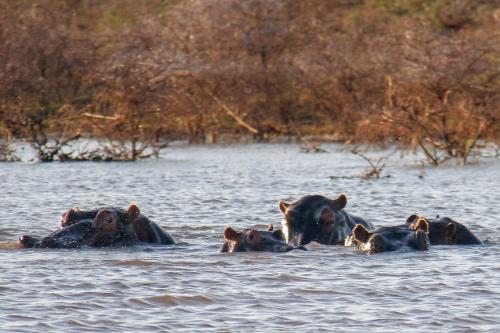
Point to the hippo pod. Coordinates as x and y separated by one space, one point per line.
103 227
249 240
392 238
320 219
445 231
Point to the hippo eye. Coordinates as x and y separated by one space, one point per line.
251 237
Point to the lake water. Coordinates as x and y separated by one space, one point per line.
196 191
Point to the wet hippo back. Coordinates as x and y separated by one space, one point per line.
72 236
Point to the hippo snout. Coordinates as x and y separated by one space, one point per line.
28 241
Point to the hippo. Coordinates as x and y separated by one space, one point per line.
392 238
107 227
249 240
445 231
318 218
146 230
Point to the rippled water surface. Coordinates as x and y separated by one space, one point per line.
194 193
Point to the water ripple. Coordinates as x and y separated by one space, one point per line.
195 192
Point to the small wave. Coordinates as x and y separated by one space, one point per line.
195 228
172 300
288 277
133 262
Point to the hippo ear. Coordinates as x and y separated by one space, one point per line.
65 217
451 230
326 216
421 224
360 233
340 202
133 211
283 206
270 227
411 219
231 234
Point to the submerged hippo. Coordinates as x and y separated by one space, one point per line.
145 230
104 227
108 227
253 240
445 231
392 238
320 219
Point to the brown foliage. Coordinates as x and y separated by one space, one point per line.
43 61
135 75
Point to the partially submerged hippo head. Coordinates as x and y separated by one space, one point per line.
253 240
445 231
392 238
315 218
145 230
110 226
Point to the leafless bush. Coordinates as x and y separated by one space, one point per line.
41 74
376 165
135 75
446 100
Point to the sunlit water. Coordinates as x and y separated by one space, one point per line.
195 192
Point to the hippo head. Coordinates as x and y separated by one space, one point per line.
392 238
445 231
110 224
253 240
314 218
29 241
